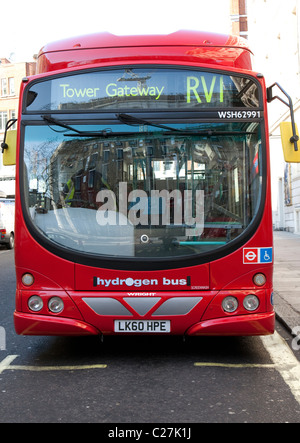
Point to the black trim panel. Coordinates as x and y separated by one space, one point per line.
138 264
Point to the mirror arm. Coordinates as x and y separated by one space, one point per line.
9 124
294 139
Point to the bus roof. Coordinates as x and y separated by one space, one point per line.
189 46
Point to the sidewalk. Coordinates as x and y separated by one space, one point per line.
287 278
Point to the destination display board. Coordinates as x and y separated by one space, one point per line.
142 89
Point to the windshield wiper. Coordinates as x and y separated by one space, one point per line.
123 118
76 133
54 121
132 121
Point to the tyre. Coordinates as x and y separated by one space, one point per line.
11 241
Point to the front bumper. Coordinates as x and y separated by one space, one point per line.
242 325
31 324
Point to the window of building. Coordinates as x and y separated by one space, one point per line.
297 221
295 170
13 114
3 120
11 86
3 87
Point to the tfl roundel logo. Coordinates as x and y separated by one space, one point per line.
257 255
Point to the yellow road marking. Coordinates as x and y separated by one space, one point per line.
55 368
231 365
6 365
283 359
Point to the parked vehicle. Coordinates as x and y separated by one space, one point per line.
7 222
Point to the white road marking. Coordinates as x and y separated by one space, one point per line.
5 364
285 362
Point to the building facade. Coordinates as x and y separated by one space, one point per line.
239 18
273 33
11 75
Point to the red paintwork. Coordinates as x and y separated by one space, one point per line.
181 46
254 324
30 324
211 281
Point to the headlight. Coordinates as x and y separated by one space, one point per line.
35 303
251 302
55 305
230 304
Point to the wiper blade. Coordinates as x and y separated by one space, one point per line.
130 120
105 133
53 121
123 118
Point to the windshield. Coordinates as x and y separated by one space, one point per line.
142 191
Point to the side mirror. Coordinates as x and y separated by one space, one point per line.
287 139
9 145
289 131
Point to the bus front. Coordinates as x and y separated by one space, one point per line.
144 203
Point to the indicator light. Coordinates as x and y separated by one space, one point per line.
27 279
259 279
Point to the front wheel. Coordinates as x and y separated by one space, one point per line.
11 241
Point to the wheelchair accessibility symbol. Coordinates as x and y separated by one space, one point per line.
266 255
257 255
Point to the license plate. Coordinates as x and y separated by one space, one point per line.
142 326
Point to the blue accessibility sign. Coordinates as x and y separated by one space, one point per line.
266 255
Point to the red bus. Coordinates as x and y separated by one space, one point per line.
143 200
